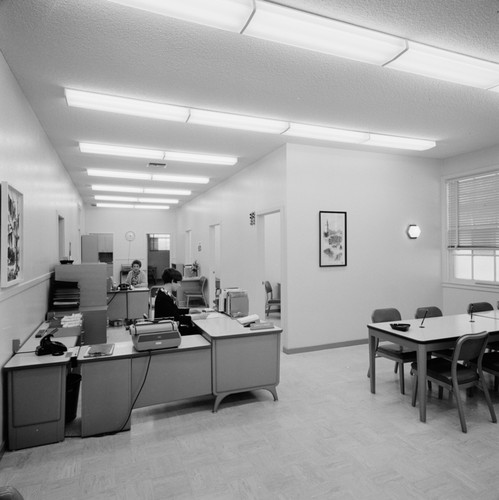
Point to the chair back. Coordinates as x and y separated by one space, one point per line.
383 315
268 288
480 307
430 311
471 347
203 282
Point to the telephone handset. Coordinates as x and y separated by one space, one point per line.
49 346
124 286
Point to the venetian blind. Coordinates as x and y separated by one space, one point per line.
473 211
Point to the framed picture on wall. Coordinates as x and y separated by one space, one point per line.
11 235
332 239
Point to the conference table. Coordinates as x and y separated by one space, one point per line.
434 334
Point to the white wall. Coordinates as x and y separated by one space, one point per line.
141 222
258 189
28 163
382 194
457 297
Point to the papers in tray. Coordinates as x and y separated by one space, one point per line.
98 350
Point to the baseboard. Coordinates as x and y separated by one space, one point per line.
335 345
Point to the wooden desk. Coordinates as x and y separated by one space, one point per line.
242 359
438 333
127 304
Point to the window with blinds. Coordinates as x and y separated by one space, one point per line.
473 227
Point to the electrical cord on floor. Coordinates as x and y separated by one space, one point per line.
111 433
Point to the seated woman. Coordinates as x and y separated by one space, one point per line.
165 305
136 277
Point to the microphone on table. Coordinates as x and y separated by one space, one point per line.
424 317
471 314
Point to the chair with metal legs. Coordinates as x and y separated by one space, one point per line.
463 372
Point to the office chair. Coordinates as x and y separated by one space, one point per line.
430 311
394 352
479 307
203 282
464 371
483 307
270 302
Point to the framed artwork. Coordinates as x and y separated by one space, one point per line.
332 239
11 235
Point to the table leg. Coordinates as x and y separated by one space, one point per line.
422 358
372 361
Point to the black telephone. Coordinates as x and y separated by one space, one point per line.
124 286
49 346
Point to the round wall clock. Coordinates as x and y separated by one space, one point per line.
129 235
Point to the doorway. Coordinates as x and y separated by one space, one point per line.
271 261
158 256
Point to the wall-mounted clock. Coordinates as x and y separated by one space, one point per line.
129 235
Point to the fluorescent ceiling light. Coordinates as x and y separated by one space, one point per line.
141 190
105 149
133 199
325 133
123 174
388 141
174 192
158 200
241 122
449 66
181 178
117 189
123 205
230 15
320 34
199 158
125 106
119 174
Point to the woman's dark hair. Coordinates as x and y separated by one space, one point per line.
170 275
137 262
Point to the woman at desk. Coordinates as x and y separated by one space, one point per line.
136 277
165 305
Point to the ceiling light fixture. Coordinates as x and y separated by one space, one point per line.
122 205
265 125
125 105
229 15
241 122
140 190
321 34
281 24
325 133
129 152
445 65
133 199
390 141
123 174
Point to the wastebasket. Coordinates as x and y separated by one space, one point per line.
72 392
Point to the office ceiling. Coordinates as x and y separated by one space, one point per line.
100 46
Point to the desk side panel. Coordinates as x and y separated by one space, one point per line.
36 409
246 363
106 396
172 375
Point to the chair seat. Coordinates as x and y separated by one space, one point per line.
395 352
439 369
